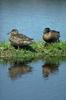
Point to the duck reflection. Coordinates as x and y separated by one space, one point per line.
49 68
18 69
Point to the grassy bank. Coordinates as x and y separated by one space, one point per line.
34 51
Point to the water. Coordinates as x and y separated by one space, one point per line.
37 80
32 16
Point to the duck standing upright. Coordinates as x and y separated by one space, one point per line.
18 40
50 36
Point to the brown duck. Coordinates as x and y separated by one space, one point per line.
50 36
18 39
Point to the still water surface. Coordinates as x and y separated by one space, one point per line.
37 80
32 16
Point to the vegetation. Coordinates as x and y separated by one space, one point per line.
35 51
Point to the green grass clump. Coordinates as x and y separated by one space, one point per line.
35 50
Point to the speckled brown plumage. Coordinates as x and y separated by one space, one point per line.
18 39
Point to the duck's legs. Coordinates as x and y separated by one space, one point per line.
46 44
18 47
58 40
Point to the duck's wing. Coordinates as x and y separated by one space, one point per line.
56 32
24 37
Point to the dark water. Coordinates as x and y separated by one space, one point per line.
37 80
32 16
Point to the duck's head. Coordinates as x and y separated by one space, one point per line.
13 32
46 30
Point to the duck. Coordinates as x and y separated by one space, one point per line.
50 36
18 39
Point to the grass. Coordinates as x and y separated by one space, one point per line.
34 51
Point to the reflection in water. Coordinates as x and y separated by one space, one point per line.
25 88
49 68
18 69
